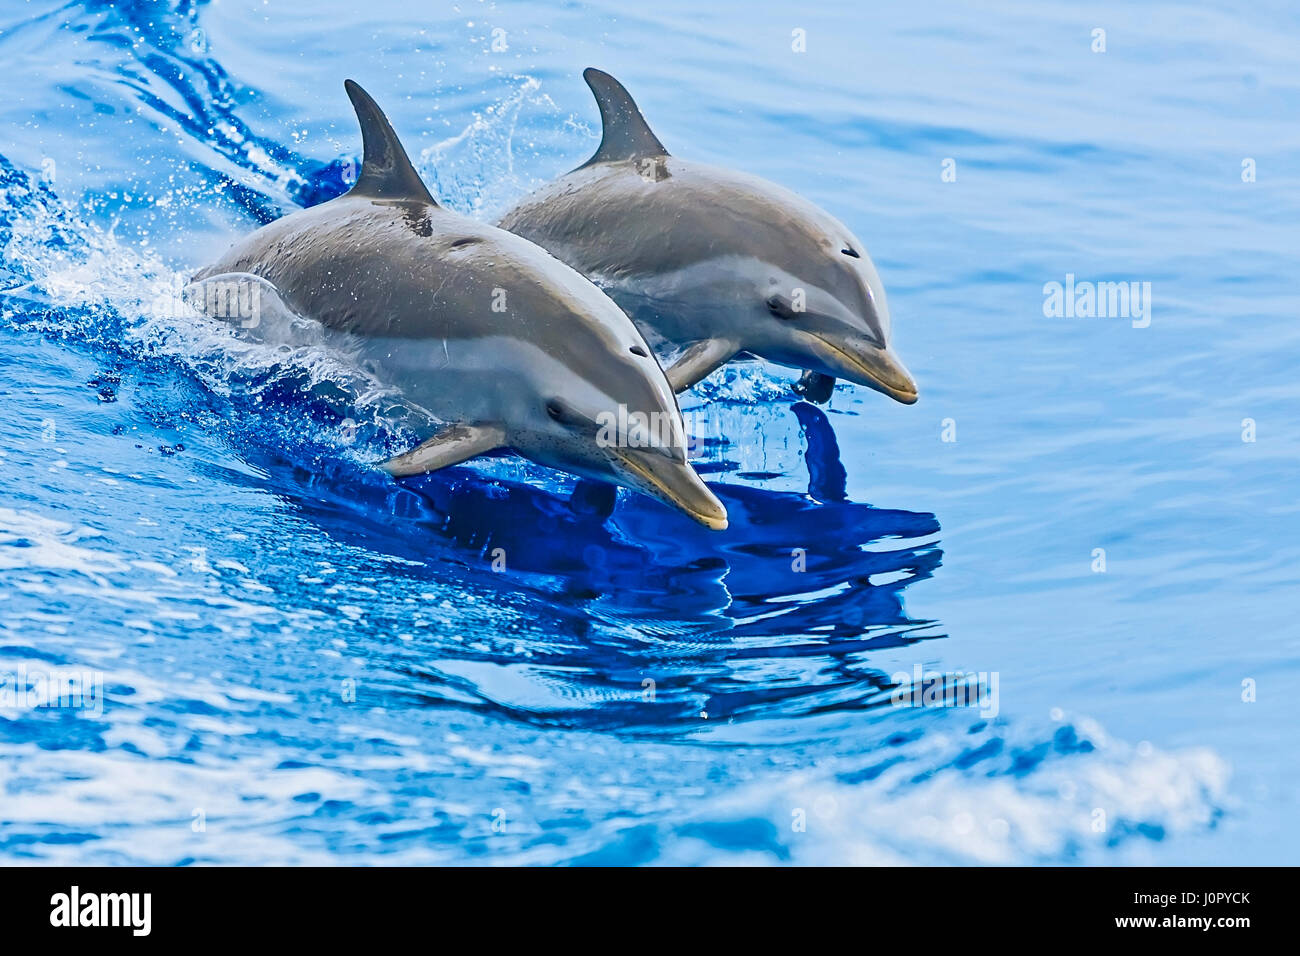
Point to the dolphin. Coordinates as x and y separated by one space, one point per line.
711 263
503 343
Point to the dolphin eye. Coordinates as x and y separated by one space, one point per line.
637 350
851 253
555 410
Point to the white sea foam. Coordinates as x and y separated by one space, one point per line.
1076 807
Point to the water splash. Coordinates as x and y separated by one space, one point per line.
480 170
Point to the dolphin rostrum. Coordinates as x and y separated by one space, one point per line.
503 343
711 263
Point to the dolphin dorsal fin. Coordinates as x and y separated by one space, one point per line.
625 134
386 171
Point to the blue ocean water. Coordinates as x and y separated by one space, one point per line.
303 662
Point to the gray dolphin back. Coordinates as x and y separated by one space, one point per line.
624 131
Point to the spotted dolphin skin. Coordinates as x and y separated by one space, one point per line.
488 332
712 263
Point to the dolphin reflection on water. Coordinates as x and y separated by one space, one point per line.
778 613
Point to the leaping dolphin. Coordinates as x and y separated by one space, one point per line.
714 262
488 332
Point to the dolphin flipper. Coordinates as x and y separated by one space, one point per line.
624 132
450 446
698 361
815 387
386 170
